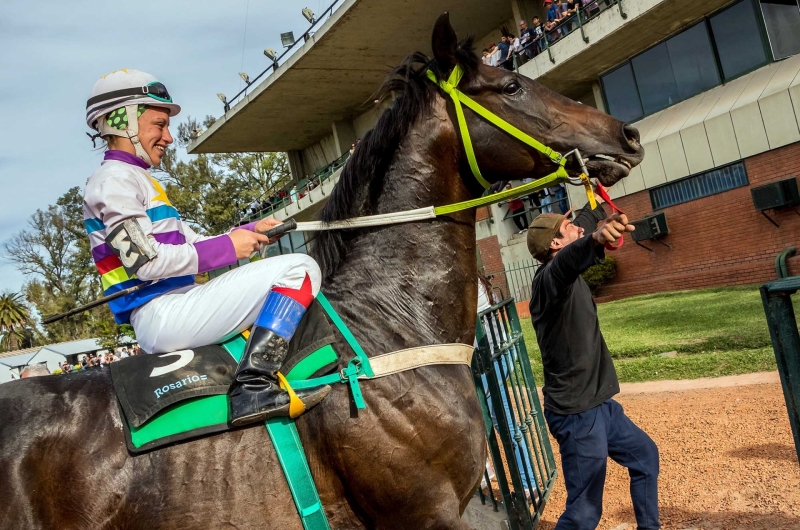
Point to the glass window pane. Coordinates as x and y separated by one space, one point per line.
782 18
621 96
693 63
654 78
298 242
738 40
285 244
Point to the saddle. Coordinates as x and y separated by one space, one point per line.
177 396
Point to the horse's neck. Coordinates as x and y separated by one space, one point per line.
413 284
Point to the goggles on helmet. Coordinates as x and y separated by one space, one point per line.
155 90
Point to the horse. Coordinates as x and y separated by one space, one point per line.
413 458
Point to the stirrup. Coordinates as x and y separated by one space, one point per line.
296 405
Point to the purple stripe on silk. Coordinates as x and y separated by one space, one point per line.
248 226
170 238
215 253
122 156
100 252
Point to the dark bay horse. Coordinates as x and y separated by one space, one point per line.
410 460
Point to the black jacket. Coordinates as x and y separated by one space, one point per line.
578 371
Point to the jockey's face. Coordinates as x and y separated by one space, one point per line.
154 133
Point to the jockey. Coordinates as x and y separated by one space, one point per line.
138 238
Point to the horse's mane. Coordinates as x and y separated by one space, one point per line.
361 181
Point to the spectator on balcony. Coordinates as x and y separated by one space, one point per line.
559 194
516 208
551 31
505 51
293 195
527 36
538 35
553 11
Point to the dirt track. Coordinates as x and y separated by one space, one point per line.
727 460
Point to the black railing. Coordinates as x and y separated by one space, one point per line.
274 66
303 188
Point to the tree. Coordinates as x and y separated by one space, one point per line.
55 254
14 322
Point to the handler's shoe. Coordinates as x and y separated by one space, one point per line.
255 395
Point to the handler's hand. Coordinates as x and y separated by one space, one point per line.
612 228
246 242
266 224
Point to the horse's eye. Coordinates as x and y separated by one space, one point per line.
511 88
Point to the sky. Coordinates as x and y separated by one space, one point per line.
54 51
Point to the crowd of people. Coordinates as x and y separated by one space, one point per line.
100 360
561 20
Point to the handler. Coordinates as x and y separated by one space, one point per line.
137 237
579 376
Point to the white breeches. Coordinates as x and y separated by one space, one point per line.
198 315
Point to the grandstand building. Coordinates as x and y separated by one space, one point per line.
713 88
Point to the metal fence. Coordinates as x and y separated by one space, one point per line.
515 282
519 448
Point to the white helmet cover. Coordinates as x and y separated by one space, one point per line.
121 88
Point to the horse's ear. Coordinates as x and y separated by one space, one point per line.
444 42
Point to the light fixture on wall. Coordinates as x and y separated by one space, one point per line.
271 54
245 78
287 39
309 15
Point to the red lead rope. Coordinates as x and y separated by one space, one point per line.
601 191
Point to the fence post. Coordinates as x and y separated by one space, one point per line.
777 299
622 13
580 24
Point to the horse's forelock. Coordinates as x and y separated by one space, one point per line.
361 180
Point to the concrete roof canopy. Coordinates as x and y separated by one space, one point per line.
337 70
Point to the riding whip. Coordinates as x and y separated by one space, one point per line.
277 231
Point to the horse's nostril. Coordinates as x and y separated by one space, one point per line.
631 134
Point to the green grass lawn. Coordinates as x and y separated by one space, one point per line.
715 332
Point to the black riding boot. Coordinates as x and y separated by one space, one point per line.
255 395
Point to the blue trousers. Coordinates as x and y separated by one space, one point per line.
585 441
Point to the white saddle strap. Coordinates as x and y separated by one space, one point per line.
369 220
411 358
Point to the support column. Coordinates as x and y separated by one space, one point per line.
343 136
296 166
599 103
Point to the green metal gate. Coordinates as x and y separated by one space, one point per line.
782 323
519 447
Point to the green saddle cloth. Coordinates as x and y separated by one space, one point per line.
209 414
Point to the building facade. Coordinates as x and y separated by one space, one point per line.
713 88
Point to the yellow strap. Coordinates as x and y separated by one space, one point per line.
458 97
296 406
449 88
552 179
587 184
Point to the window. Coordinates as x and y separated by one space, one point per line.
738 39
716 49
699 186
782 18
622 96
655 80
693 64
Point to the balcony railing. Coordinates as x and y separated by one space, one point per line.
303 187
